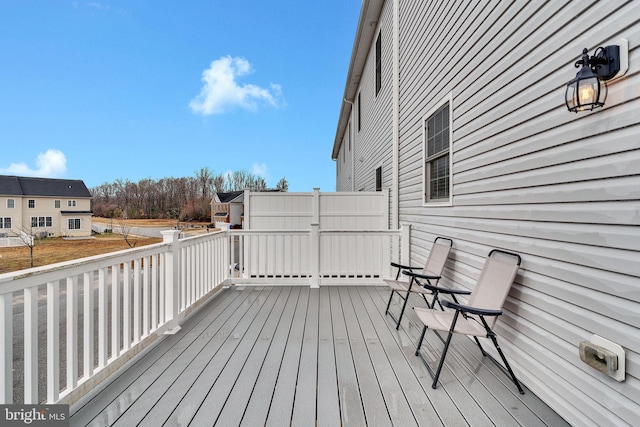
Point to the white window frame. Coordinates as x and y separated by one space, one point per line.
56 204
71 203
426 160
72 222
11 203
31 203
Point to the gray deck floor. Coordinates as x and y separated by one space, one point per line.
297 356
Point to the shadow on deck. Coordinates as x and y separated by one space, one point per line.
299 356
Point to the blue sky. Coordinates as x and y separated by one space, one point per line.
107 90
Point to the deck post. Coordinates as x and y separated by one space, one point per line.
314 240
405 242
172 281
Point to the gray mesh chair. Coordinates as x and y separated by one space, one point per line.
479 316
430 275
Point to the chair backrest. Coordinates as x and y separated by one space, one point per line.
438 256
497 276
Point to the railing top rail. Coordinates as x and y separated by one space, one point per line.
19 280
306 231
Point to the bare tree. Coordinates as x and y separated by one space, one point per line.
27 238
125 230
282 185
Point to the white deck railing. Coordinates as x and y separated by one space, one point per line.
135 296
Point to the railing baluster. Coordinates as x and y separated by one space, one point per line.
102 317
115 311
31 345
162 283
88 333
136 301
145 297
53 341
154 292
72 332
6 356
126 306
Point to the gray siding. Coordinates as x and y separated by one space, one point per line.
559 188
373 141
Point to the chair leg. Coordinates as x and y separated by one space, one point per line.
404 306
389 303
424 330
444 351
506 364
479 345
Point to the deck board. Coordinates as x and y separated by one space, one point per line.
299 356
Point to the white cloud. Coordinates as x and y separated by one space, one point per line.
260 169
50 164
221 90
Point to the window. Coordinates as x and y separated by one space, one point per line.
379 62
11 203
437 154
31 204
5 223
359 115
56 204
41 221
379 178
74 223
71 203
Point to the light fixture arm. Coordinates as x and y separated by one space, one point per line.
605 62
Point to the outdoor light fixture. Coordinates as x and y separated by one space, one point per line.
589 90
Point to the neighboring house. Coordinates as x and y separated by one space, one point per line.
44 207
459 107
228 208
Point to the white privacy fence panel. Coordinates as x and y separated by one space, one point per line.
331 211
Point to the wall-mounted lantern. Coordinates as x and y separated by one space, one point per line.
589 90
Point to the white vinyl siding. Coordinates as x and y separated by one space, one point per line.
561 189
558 188
373 143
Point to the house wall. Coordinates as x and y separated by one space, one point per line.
45 207
372 142
559 188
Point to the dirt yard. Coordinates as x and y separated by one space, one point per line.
53 250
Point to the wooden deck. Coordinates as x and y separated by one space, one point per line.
297 356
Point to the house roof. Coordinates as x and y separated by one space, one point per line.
366 32
231 196
43 187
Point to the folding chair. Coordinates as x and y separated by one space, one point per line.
486 300
431 271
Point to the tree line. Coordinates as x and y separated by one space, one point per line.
185 198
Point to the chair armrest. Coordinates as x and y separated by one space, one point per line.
420 275
436 288
403 267
471 310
